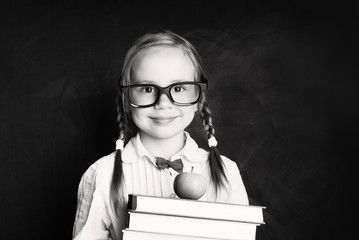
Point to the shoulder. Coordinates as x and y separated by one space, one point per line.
96 169
230 166
229 163
105 161
202 154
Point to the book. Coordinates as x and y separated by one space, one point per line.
195 208
191 226
129 234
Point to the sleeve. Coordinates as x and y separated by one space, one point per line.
91 220
97 222
84 198
237 191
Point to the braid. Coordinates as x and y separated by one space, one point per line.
122 120
117 174
207 120
215 161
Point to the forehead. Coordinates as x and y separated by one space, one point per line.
162 64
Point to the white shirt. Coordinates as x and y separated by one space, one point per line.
95 218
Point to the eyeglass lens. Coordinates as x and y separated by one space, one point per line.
149 94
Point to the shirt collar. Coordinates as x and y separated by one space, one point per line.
191 150
134 150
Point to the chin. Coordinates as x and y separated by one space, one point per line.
165 134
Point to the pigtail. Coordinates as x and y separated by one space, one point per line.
216 165
117 175
116 180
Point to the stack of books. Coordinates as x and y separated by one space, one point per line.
158 218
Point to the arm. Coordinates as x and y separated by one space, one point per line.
84 198
92 218
96 225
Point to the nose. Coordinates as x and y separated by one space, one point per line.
163 101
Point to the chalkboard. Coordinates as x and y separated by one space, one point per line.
281 95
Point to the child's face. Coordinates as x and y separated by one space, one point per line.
162 66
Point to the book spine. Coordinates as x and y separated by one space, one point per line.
132 202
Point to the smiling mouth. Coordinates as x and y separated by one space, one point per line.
163 120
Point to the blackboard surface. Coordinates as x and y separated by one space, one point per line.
281 93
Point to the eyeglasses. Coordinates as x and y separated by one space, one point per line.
147 95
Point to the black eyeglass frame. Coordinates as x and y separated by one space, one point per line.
164 90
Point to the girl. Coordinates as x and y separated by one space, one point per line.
160 90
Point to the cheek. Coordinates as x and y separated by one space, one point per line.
136 114
190 111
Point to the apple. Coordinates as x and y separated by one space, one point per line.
190 185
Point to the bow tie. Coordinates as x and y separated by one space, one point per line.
162 163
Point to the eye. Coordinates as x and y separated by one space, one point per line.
179 88
147 89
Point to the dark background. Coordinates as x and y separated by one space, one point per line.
282 94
